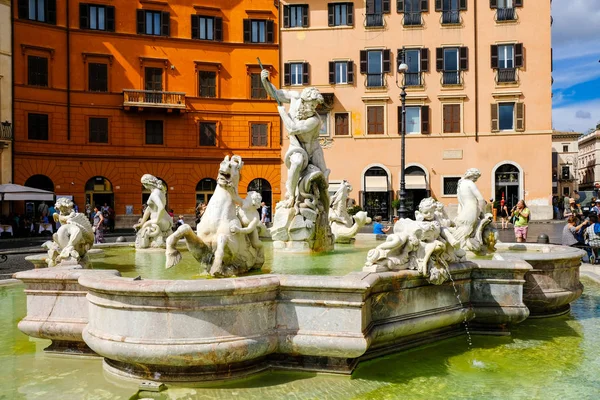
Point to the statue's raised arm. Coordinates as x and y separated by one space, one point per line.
279 95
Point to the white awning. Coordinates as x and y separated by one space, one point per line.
415 182
376 184
10 191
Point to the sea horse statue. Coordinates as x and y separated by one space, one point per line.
343 226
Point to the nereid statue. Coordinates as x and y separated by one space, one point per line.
302 217
431 242
73 239
343 226
156 223
226 241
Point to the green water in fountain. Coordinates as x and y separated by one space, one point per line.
151 265
554 358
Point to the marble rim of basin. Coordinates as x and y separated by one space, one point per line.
553 283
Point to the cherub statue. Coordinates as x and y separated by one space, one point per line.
155 225
70 243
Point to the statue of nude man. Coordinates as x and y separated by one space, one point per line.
303 124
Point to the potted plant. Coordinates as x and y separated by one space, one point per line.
395 206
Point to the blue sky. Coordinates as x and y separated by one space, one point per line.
576 44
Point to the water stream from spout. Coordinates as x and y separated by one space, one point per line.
465 321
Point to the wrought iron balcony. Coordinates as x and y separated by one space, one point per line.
507 75
6 131
153 99
412 19
412 79
375 80
451 78
374 20
451 17
506 14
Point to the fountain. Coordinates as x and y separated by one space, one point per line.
156 223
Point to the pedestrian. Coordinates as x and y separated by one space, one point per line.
264 213
98 226
504 214
591 236
521 214
571 232
378 227
573 209
596 208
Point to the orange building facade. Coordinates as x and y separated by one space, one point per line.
106 91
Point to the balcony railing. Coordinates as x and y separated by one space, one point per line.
375 80
506 14
506 75
412 19
6 132
451 17
153 99
374 20
412 79
451 78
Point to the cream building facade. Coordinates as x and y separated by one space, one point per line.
588 166
479 95
5 92
565 162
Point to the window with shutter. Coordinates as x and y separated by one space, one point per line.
363 61
154 132
270 31
208 134
439 59
286 16
494 56
387 61
519 58
520 117
506 116
165 23
305 76
464 58
37 126
287 75
424 119
206 28
342 124
375 120
98 130
259 133
340 14
37 71
257 90
154 23
37 10
494 117
331 72
425 60
296 73
451 118
97 77
258 31
207 84
96 17
350 68
247 31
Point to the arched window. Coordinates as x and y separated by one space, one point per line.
507 184
40 182
204 190
377 194
99 191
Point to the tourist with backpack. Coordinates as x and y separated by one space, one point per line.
521 215
592 237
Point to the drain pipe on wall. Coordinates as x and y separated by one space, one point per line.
68 74
476 75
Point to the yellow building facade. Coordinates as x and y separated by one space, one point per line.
478 95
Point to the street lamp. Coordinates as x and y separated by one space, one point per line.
402 70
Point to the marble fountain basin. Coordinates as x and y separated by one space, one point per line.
212 329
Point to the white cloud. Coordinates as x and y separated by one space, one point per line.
565 119
575 22
583 114
575 74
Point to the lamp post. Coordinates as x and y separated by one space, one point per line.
402 69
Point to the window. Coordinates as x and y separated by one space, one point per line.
153 23
565 148
375 11
154 132
341 72
258 31
340 14
153 82
417 119
207 84
38 10
450 10
295 74
375 120
451 118
96 17
566 173
324 131
375 63
505 58
508 116
208 134
259 135
450 61
505 9
257 90
412 11
207 28
417 61
37 126
450 185
98 130
295 16
342 124
37 71
97 77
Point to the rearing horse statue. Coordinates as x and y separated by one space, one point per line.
343 226
220 243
